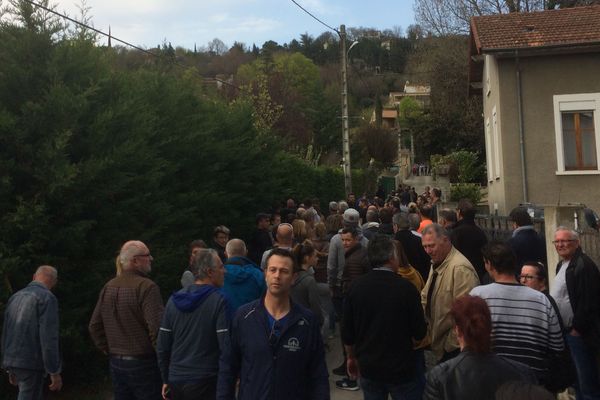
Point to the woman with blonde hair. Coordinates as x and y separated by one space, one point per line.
406 270
300 231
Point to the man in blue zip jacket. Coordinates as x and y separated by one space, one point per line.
276 348
193 332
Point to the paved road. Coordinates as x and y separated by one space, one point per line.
334 359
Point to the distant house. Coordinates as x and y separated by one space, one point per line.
389 118
420 93
389 114
539 76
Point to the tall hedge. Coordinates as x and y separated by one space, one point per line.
92 155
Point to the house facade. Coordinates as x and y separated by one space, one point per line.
539 78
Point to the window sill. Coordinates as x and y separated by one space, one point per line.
582 172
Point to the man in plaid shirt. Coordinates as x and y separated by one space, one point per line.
125 325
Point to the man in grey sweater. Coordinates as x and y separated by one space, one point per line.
194 331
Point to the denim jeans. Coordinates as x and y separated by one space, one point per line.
136 379
374 390
31 383
588 385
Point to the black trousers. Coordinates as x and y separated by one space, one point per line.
199 390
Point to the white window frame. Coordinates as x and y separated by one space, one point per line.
496 136
487 60
488 151
575 102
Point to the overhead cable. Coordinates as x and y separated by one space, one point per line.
312 15
118 40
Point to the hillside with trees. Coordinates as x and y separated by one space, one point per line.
102 144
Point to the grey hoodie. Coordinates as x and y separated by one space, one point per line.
306 293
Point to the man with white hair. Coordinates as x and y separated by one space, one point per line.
125 325
244 281
333 207
30 347
576 290
451 276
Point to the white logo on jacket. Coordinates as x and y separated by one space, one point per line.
293 344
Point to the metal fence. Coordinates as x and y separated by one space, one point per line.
590 243
500 228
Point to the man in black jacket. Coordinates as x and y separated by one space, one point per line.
468 238
261 239
576 289
382 316
525 242
411 243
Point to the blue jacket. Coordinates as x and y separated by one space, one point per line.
30 333
244 281
193 332
291 368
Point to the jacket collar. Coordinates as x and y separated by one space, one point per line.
576 255
239 260
134 272
522 228
38 284
293 316
354 249
440 269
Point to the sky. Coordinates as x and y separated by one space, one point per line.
148 23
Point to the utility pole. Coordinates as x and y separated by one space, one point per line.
345 125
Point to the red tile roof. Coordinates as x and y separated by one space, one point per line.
565 27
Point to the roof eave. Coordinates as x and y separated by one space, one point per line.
559 46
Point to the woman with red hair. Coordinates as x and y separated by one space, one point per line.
476 373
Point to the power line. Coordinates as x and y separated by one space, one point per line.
90 27
119 40
312 15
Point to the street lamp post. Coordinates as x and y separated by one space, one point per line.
345 124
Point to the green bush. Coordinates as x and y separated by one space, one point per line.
471 191
464 166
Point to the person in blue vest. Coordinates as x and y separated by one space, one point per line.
275 348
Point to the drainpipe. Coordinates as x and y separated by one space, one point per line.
521 130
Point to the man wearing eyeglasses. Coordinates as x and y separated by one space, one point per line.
276 348
576 290
125 326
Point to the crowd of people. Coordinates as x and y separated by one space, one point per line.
427 309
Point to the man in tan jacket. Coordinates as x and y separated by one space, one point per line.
451 276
